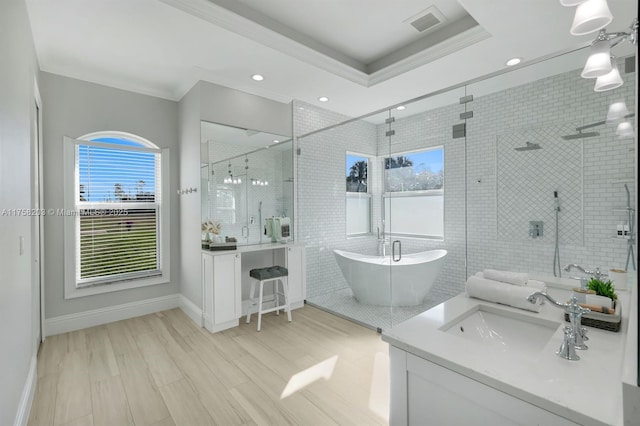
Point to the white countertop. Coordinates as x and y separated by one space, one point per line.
253 248
587 391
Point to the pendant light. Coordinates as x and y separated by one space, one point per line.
592 15
609 81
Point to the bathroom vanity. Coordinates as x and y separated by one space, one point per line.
444 371
225 274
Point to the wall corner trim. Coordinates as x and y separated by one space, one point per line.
80 320
191 310
29 390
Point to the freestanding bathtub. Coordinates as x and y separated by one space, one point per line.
370 276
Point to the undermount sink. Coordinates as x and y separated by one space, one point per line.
503 330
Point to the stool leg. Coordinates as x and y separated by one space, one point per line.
276 296
252 301
285 288
260 305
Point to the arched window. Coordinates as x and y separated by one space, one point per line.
116 223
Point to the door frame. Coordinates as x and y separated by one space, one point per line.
37 184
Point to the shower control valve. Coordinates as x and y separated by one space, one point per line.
536 228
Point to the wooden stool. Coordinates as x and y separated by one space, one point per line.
261 276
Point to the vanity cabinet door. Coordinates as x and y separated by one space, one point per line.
221 280
226 287
296 264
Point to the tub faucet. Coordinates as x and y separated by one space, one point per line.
577 335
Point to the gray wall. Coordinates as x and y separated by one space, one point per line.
217 104
17 73
74 108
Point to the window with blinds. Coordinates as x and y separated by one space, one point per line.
118 205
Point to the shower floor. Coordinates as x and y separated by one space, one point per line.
342 303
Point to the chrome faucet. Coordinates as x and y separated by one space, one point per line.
596 273
574 335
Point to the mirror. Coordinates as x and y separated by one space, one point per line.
246 178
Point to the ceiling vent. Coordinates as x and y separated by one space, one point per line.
427 19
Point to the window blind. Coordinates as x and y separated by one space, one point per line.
118 207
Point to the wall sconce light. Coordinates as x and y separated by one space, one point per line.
617 111
625 130
601 63
591 15
609 81
570 3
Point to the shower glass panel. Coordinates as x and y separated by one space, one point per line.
422 201
339 183
246 177
546 186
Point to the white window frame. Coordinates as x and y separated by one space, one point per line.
370 162
420 193
71 289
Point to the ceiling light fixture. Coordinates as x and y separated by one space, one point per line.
323 99
401 107
609 81
592 15
513 61
257 77
276 141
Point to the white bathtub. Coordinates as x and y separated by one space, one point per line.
370 276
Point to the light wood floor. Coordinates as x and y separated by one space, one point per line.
162 369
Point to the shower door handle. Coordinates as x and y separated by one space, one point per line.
393 251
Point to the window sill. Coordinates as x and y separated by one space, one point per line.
72 292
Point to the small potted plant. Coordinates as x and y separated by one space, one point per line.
603 288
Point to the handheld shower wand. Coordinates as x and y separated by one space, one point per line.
557 270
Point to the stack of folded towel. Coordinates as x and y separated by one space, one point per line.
505 287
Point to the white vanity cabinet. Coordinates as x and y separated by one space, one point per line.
224 274
422 390
296 264
222 283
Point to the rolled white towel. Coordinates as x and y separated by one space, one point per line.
540 285
503 293
515 278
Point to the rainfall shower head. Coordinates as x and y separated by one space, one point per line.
529 146
580 135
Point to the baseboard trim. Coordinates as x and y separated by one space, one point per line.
192 310
22 416
80 320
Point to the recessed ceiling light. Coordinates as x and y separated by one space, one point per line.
401 107
513 61
323 99
257 77
276 141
